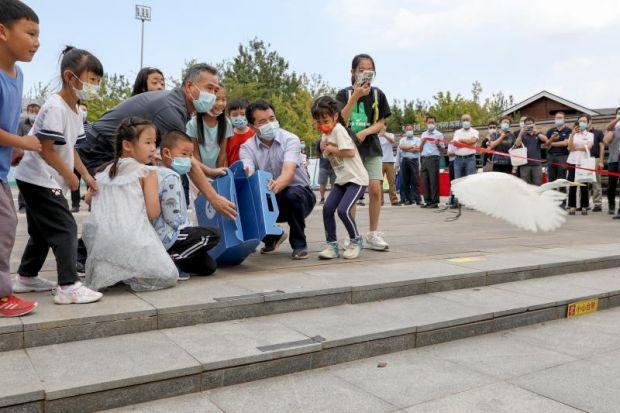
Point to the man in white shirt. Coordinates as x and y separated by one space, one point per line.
386 140
465 162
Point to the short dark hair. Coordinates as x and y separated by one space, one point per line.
493 123
141 83
173 137
429 117
530 119
33 105
236 104
79 61
194 71
258 105
559 112
14 10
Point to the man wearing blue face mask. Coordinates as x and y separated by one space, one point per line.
465 162
278 152
24 127
168 110
188 246
432 144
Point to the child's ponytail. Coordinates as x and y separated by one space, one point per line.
130 130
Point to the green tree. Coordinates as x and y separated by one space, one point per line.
114 90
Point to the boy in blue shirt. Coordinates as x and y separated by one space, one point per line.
187 245
19 41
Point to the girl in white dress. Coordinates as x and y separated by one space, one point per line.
122 244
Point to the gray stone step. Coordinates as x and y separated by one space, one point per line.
117 371
233 294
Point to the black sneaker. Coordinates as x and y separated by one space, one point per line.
617 216
273 242
611 210
300 254
322 201
75 209
424 205
433 206
361 202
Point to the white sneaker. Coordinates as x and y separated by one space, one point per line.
331 251
375 241
78 293
354 249
32 284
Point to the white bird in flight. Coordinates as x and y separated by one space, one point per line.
503 196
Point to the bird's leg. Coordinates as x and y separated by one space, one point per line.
457 216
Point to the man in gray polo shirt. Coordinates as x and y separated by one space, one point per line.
168 110
277 151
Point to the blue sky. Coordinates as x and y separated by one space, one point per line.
420 46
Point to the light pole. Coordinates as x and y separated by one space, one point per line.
143 13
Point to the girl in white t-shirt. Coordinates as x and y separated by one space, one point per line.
351 177
44 178
579 146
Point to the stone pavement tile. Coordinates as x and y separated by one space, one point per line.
389 274
10 325
308 392
19 382
500 302
430 312
494 398
199 293
409 378
190 403
289 284
583 253
555 289
608 280
589 385
498 355
233 343
514 261
580 337
346 324
118 303
76 368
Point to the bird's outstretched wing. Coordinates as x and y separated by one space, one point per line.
509 198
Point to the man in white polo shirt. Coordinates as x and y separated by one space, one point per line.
465 162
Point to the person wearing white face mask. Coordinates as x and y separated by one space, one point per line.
278 152
168 110
580 144
32 110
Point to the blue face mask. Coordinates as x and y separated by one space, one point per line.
583 126
268 131
239 122
431 126
466 124
409 133
182 166
505 126
205 102
32 117
559 122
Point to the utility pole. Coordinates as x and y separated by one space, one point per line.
143 13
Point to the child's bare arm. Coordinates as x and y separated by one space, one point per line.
150 187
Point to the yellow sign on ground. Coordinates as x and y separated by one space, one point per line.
582 307
467 259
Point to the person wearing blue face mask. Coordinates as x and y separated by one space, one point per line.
502 141
410 146
465 162
187 245
557 149
241 131
168 110
278 152
432 143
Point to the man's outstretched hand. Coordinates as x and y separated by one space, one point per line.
224 207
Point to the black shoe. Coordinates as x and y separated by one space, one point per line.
80 268
22 210
611 211
408 202
322 201
273 242
597 208
75 209
433 206
300 254
454 206
617 216
360 203
424 206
